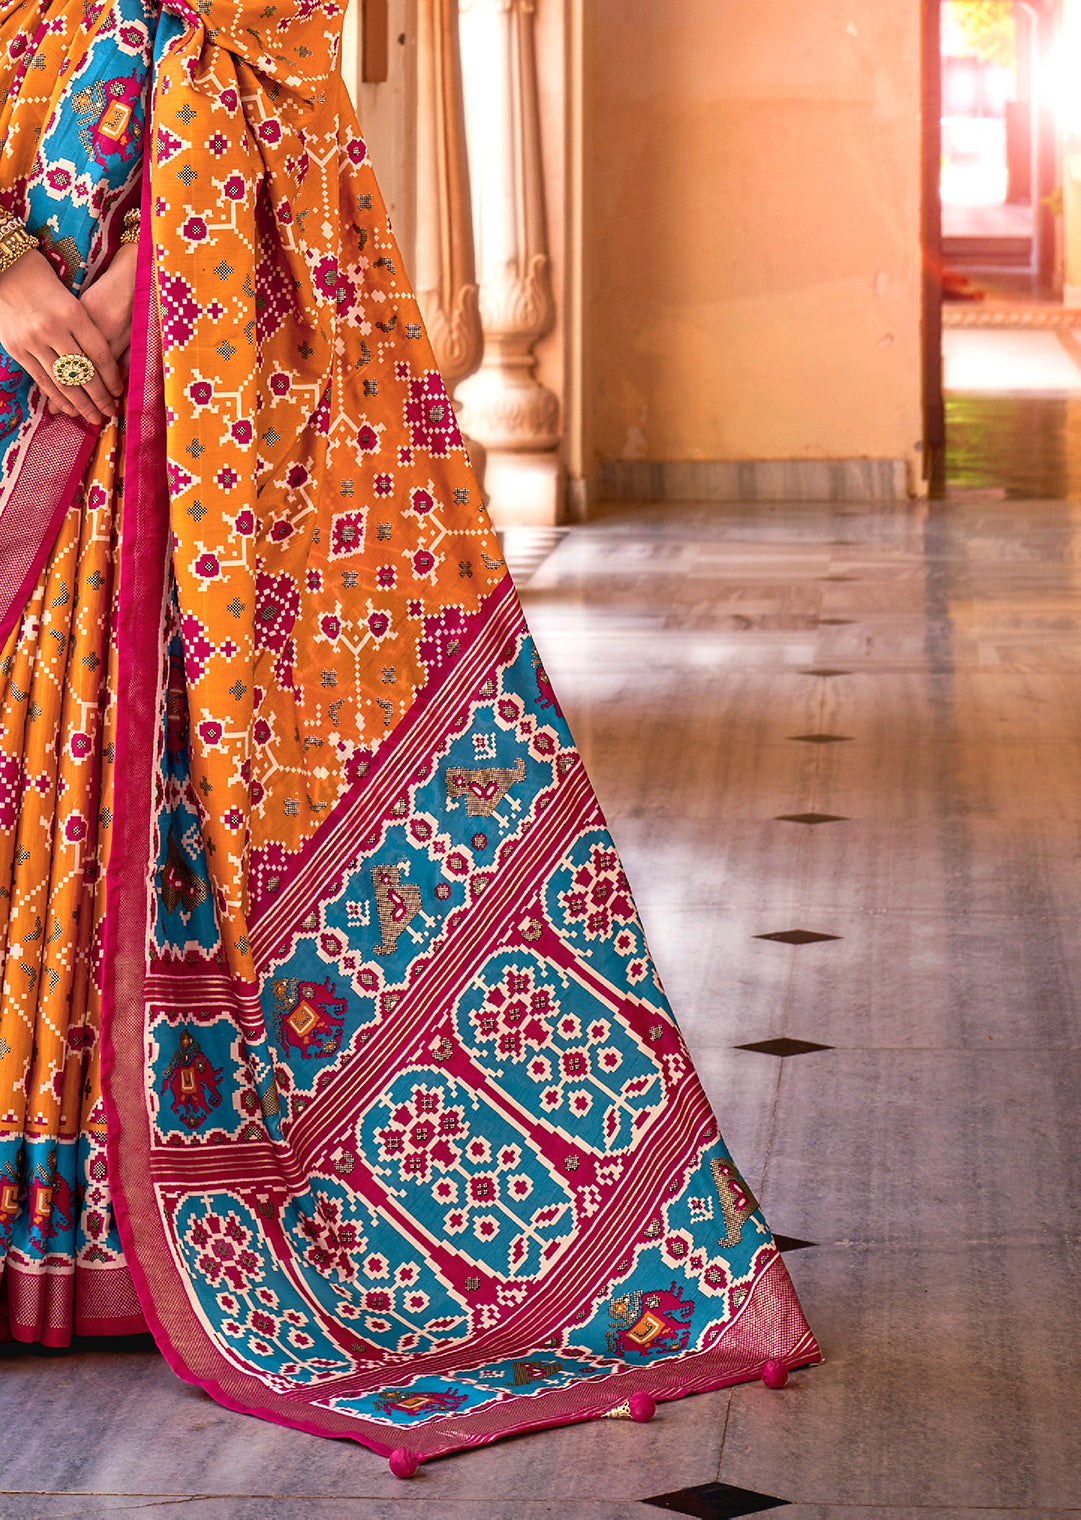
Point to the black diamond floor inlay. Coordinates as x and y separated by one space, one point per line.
790 1243
810 818
783 1046
715 1501
821 738
818 672
797 937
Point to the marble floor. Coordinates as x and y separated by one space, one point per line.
1013 408
861 724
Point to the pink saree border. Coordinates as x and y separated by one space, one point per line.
50 1308
770 1315
51 470
142 581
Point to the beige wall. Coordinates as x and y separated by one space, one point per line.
751 202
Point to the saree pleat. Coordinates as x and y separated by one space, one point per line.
64 1269
73 87
332 1020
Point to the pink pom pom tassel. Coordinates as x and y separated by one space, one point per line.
403 1464
643 1407
775 1373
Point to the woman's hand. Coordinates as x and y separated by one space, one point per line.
39 320
109 302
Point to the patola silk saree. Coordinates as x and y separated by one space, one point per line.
330 1045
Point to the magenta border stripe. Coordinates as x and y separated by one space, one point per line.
498 618
142 568
184 1340
24 556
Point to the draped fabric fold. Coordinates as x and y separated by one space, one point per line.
402 1140
73 91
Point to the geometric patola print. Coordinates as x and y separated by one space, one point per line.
373 1105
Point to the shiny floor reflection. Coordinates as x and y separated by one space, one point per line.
902 981
1023 446
1013 412
839 748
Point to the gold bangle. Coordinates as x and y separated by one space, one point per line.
14 241
132 220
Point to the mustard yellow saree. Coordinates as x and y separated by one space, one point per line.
330 1044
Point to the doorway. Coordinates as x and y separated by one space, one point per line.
990 148
1003 345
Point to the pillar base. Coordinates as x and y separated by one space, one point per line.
524 490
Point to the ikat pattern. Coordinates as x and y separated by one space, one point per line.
412 1149
457 1159
328 536
74 82
82 76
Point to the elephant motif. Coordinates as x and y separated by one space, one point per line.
309 1016
192 1082
651 1323
108 122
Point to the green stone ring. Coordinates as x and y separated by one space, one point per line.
73 369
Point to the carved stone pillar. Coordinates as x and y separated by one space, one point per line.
444 258
504 404
444 265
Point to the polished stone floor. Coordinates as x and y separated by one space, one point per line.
1013 409
862 724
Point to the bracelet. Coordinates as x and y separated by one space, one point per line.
132 220
14 241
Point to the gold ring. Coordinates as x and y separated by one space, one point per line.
73 369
